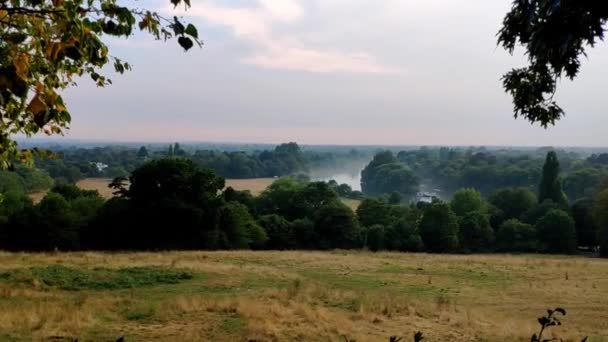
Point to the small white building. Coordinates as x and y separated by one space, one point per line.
425 197
100 166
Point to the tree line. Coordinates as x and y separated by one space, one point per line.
172 203
450 169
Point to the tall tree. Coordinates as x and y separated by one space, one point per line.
47 44
550 183
555 34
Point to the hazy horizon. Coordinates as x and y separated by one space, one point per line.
318 72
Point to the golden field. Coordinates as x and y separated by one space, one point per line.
298 296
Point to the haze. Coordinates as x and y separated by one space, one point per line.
333 72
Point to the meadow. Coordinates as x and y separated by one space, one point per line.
297 296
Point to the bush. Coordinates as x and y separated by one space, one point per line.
515 236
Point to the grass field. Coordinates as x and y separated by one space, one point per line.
297 296
255 185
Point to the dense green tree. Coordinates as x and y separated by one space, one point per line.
174 178
56 223
304 232
439 228
388 178
475 233
239 228
374 237
466 201
244 197
34 179
550 184
373 211
280 198
336 226
556 232
11 182
279 231
537 211
513 202
46 45
403 235
584 183
515 236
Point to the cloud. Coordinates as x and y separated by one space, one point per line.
262 27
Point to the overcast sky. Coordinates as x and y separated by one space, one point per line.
333 72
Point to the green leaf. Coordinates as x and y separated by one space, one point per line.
191 30
185 42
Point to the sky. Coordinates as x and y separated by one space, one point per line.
390 72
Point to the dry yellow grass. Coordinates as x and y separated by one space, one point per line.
313 296
255 185
99 184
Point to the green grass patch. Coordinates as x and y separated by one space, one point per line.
233 324
74 279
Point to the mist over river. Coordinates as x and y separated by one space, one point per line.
352 178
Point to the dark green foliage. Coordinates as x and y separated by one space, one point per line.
395 198
239 228
244 197
515 236
403 236
174 179
54 223
374 211
547 321
600 214
513 202
75 279
466 201
284 160
583 183
555 35
586 227
294 199
279 231
556 232
439 228
385 174
336 226
142 152
70 191
475 233
374 237
537 211
24 180
550 184
304 233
